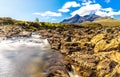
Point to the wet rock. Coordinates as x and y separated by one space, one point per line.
82 65
2 38
69 47
54 65
25 34
57 71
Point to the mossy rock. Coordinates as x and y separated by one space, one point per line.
97 38
102 45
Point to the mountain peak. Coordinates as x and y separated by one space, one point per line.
79 19
77 15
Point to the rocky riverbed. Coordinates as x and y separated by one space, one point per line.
74 50
28 57
88 52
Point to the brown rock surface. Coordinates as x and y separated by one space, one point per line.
88 52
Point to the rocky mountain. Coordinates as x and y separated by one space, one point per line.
79 19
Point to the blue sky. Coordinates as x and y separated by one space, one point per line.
57 10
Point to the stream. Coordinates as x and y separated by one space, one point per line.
22 56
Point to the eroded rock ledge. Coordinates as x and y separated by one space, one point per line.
88 52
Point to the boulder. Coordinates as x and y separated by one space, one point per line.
69 47
2 38
25 34
97 38
105 67
103 45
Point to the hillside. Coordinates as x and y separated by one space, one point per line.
108 22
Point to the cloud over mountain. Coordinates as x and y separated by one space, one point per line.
87 9
90 7
68 9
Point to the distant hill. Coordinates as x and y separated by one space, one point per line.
79 19
108 22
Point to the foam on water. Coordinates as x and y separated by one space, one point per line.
16 52
16 42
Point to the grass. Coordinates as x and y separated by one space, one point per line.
34 26
90 25
108 22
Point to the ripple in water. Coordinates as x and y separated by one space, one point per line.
21 56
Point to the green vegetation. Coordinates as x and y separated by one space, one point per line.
90 25
37 20
34 26
6 20
108 22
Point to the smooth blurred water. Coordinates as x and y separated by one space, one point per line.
22 56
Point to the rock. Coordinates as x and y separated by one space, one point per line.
2 38
25 34
55 43
105 66
54 65
115 72
115 55
56 46
97 38
83 65
88 52
57 71
69 47
102 45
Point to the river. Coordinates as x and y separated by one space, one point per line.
22 56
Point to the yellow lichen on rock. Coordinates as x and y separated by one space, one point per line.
113 43
101 45
115 72
115 56
97 38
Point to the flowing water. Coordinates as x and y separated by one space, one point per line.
22 56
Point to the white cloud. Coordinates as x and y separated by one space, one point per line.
84 1
53 19
48 14
100 13
85 10
106 13
68 5
107 9
71 4
89 7
63 10
93 1
87 3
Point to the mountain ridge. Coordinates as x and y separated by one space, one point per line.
79 19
